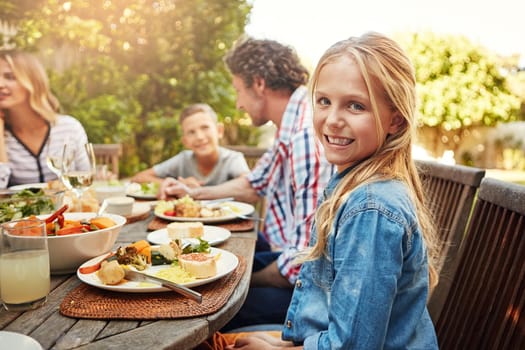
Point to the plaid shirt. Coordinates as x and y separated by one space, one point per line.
291 176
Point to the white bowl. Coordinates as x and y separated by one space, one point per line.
103 191
120 205
68 252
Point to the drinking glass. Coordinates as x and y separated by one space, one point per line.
54 163
78 170
24 264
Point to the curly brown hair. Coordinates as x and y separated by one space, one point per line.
276 63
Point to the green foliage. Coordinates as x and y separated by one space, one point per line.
460 85
126 68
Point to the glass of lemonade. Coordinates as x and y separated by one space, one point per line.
24 264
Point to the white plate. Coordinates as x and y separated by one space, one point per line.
213 234
12 340
141 195
239 208
24 186
226 263
140 209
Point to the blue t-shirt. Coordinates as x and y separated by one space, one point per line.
231 164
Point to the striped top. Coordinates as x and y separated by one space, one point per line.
291 176
24 167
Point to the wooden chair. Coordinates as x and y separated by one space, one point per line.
251 153
450 191
485 308
109 155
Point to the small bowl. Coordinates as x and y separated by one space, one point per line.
36 204
103 192
120 205
68 252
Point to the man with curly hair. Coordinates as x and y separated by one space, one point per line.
270 83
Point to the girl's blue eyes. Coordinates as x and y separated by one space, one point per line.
323 101
353 106
356 106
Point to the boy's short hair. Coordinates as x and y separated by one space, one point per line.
197 108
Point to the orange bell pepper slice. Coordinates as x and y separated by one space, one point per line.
95 267
70 230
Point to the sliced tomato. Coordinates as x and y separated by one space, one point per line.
170 213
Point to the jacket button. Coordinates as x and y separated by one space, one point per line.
298 283
288 324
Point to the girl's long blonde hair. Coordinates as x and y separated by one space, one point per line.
30 73
386 69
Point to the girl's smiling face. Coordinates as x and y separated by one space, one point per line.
344 119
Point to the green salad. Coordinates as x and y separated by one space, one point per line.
24 203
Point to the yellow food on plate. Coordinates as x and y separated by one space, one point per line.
175 274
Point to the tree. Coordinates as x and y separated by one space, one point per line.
125 68
460 87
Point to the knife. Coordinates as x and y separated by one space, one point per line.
142 277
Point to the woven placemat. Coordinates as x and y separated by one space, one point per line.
90 302
139 217
239 225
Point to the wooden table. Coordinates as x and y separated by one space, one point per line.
54 331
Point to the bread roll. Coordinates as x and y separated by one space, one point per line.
180 230
111 273
199 265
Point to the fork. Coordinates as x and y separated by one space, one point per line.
240 216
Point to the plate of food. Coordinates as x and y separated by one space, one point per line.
42 185
187 269
189 232
146 190
188 209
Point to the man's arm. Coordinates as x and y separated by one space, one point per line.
270 276
238 188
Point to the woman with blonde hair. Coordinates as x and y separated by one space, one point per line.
366 277
31 129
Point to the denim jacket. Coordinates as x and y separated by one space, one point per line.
370 290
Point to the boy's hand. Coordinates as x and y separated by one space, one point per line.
191 182
171 187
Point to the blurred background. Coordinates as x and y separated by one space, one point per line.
126 68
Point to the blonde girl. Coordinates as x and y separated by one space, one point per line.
31 128
365 280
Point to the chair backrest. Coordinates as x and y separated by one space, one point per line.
485 308
251 153
108 154
450 191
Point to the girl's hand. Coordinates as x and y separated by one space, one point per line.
261 340
248 343
3 151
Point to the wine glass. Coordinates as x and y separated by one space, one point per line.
54 163
78 170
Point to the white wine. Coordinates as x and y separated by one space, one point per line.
78 179
55 164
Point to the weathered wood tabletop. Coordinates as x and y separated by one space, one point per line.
54 331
